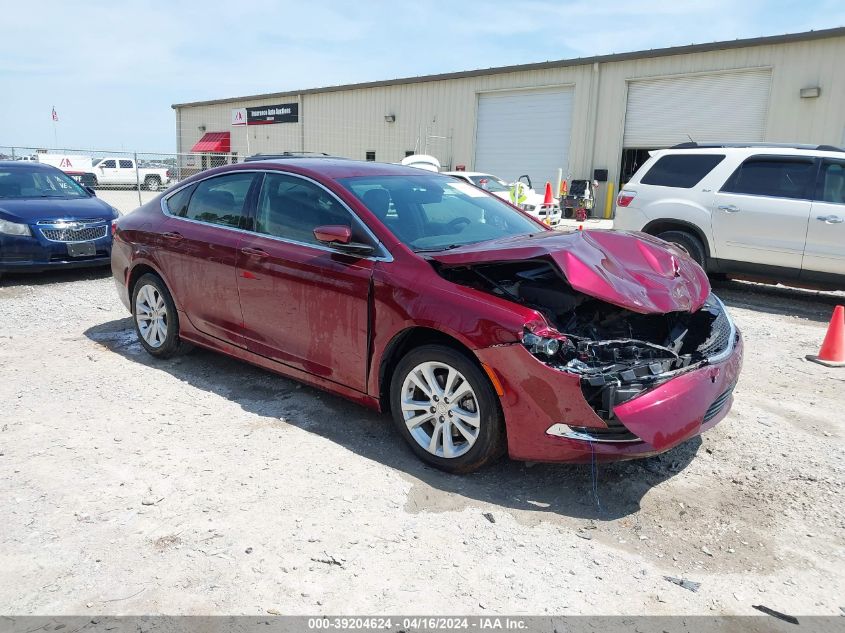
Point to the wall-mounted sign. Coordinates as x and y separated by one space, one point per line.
263 115
238 116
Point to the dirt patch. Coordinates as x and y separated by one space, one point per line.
204 485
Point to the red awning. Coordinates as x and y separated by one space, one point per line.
213 142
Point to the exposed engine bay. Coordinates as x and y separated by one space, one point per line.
617 353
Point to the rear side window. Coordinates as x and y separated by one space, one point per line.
772 176
220 200
126 164
831 185
177 204
681 170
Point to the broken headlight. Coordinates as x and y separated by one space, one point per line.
539 345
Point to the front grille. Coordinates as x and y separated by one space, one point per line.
718 405
720 336
70 234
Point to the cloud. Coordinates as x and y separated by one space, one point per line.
113 69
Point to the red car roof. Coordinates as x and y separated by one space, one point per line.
336 167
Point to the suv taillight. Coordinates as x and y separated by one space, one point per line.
625 198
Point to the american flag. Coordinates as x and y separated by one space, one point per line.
55 116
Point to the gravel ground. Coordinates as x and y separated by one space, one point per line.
203 485
126 200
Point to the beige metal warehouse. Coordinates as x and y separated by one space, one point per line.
579 115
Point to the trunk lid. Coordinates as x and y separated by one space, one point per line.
631 270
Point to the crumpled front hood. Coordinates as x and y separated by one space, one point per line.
632 270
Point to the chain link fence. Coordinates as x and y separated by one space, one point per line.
127 179
124 179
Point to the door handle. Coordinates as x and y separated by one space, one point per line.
255 252
729 208
831 219
172 235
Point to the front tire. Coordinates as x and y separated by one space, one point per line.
155 317
446 409
689 242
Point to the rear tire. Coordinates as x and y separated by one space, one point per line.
457 434
153 183
155 317
689 242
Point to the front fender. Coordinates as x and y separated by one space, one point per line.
476 320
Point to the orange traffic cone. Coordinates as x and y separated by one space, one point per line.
549 198
832 353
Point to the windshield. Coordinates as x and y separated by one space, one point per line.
21 183
432 212
490 183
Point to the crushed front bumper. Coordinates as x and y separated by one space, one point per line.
541 404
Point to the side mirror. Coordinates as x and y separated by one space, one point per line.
333 234
340 237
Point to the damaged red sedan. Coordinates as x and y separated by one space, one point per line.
479 329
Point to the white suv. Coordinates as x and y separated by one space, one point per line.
768 212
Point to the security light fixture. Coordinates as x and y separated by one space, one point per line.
810 93
389 118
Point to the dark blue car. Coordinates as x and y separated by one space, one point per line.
48 220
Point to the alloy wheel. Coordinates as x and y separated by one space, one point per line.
440 409
151 315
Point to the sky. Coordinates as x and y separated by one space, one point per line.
113 69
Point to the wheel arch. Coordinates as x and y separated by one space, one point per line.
655 227
405 341
139 270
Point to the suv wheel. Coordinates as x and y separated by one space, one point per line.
689 242
155 317
153 183
446 409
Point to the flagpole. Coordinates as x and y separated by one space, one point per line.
55 132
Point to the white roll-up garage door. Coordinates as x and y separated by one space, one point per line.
524 132
725 107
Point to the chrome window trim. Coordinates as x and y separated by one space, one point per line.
384 256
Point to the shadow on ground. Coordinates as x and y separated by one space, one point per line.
812 305
577 491
49 277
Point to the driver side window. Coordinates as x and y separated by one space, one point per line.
291 208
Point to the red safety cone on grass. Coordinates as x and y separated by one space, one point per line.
832 353
549 198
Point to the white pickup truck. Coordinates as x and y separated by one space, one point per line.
122 171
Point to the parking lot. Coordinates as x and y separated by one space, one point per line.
204 485
125 200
